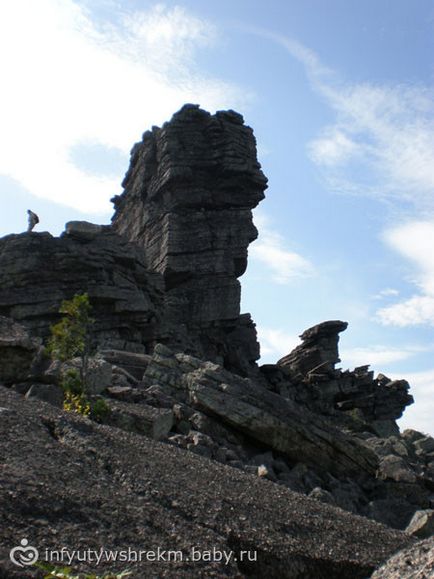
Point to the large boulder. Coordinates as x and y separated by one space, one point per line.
263 416
422 524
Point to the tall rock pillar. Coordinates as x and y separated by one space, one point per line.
188 199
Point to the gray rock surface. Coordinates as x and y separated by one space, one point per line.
415 562
140 419
319 351
422 524
17 350
389 480
308 376
69 482
50 393
187 201
38 271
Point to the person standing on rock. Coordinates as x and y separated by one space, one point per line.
33 220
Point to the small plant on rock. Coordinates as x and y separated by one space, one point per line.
70 339
99 410
76 403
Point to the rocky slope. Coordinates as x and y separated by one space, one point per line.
69 482
175 361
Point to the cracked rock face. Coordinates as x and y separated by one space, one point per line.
38 271
309 377
187 201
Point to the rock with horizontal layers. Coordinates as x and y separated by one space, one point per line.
38 272
266 417
318 352
188 199
132 362
308 376
83 230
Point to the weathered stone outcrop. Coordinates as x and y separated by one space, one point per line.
17 350
233 419
176 361
38 271
308 376
318 354
422 524
187 201
263 416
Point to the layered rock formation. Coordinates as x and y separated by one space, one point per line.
308 376
187 202
176 361
38 271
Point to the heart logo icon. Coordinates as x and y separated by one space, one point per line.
24 555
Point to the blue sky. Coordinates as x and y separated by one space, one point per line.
340 96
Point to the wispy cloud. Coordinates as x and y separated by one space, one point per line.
271 250
275 343
70 81
386 293
419 416
387 129
381 144
414 241
378 355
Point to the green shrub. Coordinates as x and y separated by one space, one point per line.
70 337
71 382
99 410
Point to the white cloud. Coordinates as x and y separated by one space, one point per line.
388 129
391 129
415 311
415 241
67 81
275 343
270 250
376 355
385 293
419 416
334 147
384 133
